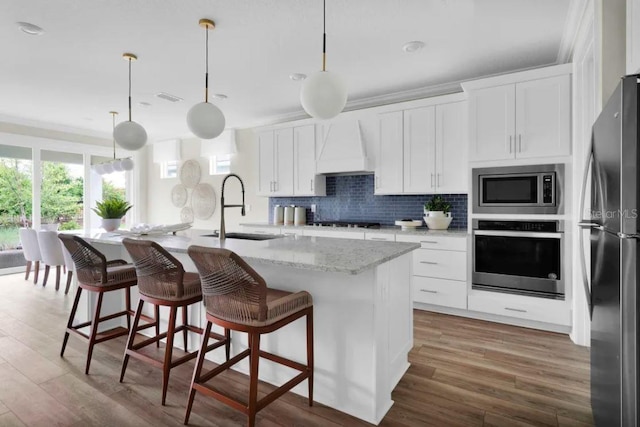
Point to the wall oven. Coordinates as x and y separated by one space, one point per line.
531 189
519 257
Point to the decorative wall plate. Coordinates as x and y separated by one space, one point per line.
190 173
179 195
203 201
186 215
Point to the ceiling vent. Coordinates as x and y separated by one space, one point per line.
168 97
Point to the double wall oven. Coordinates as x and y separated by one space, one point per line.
519 256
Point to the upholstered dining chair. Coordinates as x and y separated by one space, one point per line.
68 262
237 298
162 281
31 250
96 274
52 256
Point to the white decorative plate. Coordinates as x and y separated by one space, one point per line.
186 215
190 173
203 201
179 195
409 225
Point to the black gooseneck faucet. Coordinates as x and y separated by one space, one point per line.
222 234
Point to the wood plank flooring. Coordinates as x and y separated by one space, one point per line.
463 372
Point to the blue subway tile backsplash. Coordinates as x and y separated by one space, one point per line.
351 198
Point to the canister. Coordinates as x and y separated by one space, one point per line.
300 216
278 215
288 214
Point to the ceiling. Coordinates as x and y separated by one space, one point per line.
73 74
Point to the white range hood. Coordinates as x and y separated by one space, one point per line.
342 148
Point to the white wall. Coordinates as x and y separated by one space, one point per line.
610 19
160 210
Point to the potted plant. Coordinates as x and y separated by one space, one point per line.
111 211
437 214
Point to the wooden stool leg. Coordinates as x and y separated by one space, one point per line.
166 367
70 321
132 336
198 370
127 297
227 345
185 332
46 275
69 278
36 272
254 345
157 315
310 354
26 274
94 331
57 277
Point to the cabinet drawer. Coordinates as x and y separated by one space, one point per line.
449 293
523 307
442 264
335 234
385 237
436 242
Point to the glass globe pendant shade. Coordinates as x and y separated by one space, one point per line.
117 165
98 169
127 164
323 95
107 168
205 120
130 135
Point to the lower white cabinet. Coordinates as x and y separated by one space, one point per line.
383 237
529 308
448 293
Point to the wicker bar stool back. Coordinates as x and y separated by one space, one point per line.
96 274
162 281
237 297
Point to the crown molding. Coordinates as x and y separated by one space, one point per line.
21 121
575 15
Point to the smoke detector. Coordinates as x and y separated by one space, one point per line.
29 28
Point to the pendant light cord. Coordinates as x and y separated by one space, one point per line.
129 90
324 35
206 66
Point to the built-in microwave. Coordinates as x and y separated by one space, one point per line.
530 189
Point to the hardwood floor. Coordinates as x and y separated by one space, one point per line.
463 373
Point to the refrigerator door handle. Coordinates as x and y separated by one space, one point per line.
586 225
629 236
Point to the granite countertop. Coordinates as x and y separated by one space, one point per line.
312 253
387 229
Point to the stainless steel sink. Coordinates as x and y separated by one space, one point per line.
247 236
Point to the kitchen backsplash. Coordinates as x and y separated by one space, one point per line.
351 198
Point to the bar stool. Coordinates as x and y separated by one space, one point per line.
31 251
52 256
96 274
162 281
68 262
237 298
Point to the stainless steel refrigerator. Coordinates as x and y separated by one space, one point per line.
614 237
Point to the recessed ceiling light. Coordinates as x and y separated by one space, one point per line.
296 77
412 47
168 97
219 96
30 29
144 104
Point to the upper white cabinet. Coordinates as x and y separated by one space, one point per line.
423 150
305 180
521 120
275 162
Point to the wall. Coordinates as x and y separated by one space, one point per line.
351 198
610 18
160 210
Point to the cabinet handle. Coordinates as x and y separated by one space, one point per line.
377 238
432 181
429 291
429 241
376 179
275 186
510 138
428 262
519 143
438 180
515 309
271 186
311 184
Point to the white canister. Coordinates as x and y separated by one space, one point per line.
300 216
288 214
278 215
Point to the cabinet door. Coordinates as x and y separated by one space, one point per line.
388 179
304 162
419 149
283 175
266 157
451 148
492 123
543 117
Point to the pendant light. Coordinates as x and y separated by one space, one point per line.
130 135
205 120
324 94
119 165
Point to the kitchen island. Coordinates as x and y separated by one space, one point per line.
363 328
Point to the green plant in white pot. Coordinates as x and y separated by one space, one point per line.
437 213
111 211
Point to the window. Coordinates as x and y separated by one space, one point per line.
169 169
220 165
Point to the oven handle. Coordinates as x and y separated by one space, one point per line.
517 234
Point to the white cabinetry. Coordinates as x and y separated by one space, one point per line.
521 120
439 270
306 182
528 308
423 150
